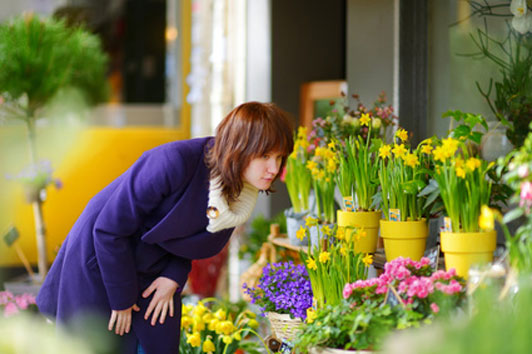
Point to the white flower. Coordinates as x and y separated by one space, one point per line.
518 8
522 24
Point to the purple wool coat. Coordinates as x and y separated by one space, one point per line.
149 222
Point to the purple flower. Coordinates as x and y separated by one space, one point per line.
283 288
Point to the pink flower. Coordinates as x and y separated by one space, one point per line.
434 308
522 171
347 291
5 297
10 309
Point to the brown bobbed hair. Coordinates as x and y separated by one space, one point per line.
250 130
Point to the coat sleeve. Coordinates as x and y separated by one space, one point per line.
177 270
140 190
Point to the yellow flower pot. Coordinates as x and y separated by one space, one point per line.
369 220
463 249
404 238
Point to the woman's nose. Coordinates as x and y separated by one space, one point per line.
273 166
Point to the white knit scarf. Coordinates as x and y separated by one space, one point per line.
234 214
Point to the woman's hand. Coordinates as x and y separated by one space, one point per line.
162 301
122 318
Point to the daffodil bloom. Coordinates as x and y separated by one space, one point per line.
360 234
331 165
310 221
486 218
367 260
411 160
227 339
311 315
324 257
199 309
402 134
473 163
213 324
343 251
331 145
253 324
194 339
198 325
450 146
384 151
225 327
326 230
340 233
460 172
186 321
311 165
365 119
439 154
399 150
302 132
426 149
301 233
459 163
311 264
208 346
186 308
237 336
220 314
207 317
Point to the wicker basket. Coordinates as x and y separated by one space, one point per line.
283 326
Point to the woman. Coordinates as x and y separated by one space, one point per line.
128 255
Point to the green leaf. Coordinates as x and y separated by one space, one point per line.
512 215
476 137
461 130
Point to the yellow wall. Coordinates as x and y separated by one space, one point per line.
95 158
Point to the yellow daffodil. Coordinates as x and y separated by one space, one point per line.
199 309
473 163
340 233
331 166
310 221
207 317
459 163
301 233
360 234
213 324
326 230
227 339
450 146
194 339
220 314
311 315
253 324
439 154
402 134
302 132
426 149
399 150
198 325
460 172
411 160
365 119
186 321
311 264
186 308
324 257
486 220
384 151
237 336
311 165
343 251
367 260
208 346
331 145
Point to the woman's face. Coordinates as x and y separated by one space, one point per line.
261 171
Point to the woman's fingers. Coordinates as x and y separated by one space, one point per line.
171 306
163 313
151 306
112 320
156 313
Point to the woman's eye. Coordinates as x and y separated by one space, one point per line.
266 157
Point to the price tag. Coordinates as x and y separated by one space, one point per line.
447 224
395 214
349 204
433 254
392 297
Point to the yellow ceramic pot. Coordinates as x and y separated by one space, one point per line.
404 238
369 220
463 249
